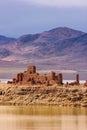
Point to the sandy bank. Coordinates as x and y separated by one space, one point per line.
40 94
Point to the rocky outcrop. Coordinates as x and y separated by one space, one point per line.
45 95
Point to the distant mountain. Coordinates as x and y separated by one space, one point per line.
6 40
59 48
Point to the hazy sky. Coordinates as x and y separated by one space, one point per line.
18 17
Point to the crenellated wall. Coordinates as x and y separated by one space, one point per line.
31 77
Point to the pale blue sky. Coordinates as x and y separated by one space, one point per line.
18 17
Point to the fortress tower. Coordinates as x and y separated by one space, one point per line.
31 69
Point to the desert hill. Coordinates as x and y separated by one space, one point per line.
59 48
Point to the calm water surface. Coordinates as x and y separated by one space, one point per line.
42 118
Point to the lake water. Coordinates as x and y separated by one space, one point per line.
42 118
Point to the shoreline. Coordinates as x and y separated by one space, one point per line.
59 95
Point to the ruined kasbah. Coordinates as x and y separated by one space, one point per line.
32 77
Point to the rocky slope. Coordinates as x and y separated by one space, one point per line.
42 95
62 47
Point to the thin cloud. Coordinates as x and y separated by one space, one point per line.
58 3
52 3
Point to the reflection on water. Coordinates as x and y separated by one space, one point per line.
42 118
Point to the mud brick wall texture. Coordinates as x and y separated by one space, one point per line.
30 76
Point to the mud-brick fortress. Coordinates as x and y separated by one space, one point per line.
32 77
